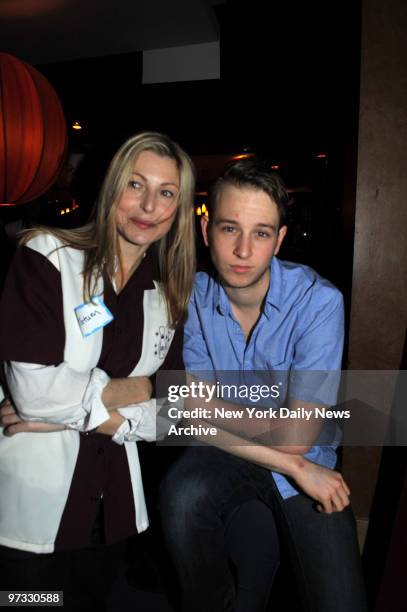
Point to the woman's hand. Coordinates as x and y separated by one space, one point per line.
12 423
121 392
109 427
324 485
118 393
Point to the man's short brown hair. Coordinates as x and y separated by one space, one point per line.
252 173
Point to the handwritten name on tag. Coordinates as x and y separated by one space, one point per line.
92 316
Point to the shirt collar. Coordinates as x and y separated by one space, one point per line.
273 297
222 303
143 276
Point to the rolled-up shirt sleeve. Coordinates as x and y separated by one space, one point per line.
143 421
58 394
140 423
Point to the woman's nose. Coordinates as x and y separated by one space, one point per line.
148 202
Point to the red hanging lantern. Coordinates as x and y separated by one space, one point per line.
33 136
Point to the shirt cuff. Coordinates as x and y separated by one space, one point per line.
140 423
92 402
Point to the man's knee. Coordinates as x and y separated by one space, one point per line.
183 494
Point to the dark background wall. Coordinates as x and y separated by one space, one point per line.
289 89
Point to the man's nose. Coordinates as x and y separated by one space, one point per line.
243 247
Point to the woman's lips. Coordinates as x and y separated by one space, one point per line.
142 224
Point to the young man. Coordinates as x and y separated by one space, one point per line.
258 313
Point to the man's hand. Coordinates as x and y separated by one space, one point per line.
326 486
12 423
322 484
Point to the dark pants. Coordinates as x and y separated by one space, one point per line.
198 497
253 551
85 576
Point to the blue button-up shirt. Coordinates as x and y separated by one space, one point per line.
300 328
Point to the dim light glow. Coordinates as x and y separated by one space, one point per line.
321 156
69 209
29 8
76 125
275 167
243 156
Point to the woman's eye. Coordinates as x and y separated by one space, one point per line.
135 185
167 193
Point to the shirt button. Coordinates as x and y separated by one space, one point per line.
100 451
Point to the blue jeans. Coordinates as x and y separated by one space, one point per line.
204 488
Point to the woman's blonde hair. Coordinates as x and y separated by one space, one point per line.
99 237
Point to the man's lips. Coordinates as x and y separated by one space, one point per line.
239 269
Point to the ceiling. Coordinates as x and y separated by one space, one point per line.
46 31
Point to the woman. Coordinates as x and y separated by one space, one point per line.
86 320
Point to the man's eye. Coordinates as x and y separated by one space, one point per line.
263 234
135 185
228 229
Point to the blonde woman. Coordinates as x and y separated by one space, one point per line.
87 318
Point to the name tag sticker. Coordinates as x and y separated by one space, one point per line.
92 316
